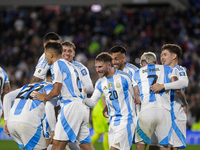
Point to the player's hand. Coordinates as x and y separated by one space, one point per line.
157 87
5 129
105 112
52 135
185 109
39 96
137 100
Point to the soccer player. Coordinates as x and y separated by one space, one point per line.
40 75
68 54
154 117
42 66
118 91
4 87
119 62
84 75
170 55
118 53
24 120
73 119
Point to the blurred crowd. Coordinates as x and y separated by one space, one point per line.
139 29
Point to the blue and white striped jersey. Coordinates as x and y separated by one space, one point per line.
65 73
25 109
84 76
118 92
41 68
176 104
130 69
147 76
3 80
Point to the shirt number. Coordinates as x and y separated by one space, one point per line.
113 95
155 77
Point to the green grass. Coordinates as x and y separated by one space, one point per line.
11 145
98 146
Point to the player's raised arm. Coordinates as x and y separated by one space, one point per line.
91 102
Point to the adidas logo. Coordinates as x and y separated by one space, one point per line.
105 88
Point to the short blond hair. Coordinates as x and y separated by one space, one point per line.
104 56
149 57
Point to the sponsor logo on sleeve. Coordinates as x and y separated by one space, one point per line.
84 72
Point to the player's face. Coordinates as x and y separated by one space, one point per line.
166 57
68 53
48 57
118 60
101 68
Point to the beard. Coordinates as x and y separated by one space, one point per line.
119 65
102 74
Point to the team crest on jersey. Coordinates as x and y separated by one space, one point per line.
117 144
110 86
105 88
118 85
39 71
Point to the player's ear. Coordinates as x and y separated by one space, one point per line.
174 56
124 58
51 54
110 64
44 44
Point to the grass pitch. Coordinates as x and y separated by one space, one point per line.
11 145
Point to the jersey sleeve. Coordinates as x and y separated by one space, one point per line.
5 75
135 78
7 101
182 75
179 84
91 102
56 73
41 68
86 80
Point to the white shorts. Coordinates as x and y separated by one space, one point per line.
121 136
154 121
73 123
27 136
178 138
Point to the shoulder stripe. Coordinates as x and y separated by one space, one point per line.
124 73
78 64
132 66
